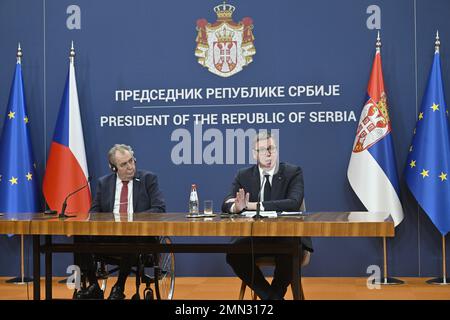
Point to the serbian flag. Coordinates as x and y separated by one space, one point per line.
67 168
372 171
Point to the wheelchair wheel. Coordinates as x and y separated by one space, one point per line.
148 294
165 273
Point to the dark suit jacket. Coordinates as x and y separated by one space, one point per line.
146 194
287 190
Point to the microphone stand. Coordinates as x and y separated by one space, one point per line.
63 214
258 216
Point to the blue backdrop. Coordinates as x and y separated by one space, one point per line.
144 45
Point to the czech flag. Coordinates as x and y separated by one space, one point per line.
372 170
67 168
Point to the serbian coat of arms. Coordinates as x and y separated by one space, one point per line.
225 47
373 125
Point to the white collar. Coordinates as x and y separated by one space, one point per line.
119 181
269 172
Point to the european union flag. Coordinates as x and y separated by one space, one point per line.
428 165
18 185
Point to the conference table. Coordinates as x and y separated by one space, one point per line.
312 224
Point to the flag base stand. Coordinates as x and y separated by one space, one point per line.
21 279
63 216
439 281
442 280
389 281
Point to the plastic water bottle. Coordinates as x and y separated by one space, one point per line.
193 200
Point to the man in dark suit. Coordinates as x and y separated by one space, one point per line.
280 188
124 192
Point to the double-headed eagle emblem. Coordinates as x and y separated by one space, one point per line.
225 47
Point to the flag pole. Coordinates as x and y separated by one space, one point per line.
387 280
63 214
21 279
443 280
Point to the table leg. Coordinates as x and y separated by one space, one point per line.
296 270
36 268
48 268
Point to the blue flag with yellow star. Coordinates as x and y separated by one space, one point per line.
18 185
428 165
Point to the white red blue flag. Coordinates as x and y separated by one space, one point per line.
67 168
372 171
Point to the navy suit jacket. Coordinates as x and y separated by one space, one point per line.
146 194
286 195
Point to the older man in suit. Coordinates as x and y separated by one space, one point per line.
277 187
125 191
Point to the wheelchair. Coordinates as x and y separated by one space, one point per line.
156 269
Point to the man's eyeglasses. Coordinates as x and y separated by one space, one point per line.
270 150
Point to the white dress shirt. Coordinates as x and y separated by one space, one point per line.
119 186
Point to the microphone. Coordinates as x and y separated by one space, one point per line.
63 215
258 204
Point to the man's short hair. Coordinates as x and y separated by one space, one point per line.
262 135
121 148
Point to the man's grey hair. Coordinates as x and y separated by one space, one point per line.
262 135
121 148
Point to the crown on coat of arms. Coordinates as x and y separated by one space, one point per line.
224 11
382 106
224 35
